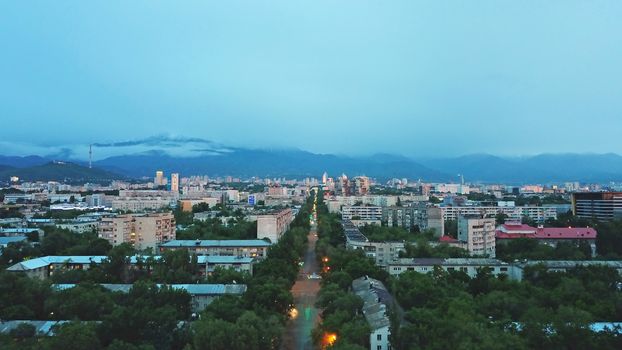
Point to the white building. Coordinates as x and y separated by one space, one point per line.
273 226
366 213
479 234
377 303
538 214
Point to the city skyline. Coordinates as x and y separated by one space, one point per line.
416 79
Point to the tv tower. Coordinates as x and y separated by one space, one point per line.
90 156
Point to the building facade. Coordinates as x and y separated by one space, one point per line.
479 235
251 248
273 226
141 230
604 206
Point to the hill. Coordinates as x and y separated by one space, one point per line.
61 172
269 163
541 168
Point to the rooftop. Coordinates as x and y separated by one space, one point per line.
45 261
376 301
7 240
192 289
215 243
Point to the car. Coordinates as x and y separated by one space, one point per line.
314 276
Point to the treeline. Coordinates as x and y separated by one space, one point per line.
256 320
341 310
547 310
55 241
147 317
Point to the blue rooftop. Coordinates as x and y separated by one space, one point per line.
215 243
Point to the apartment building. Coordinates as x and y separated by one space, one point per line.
141 230
251 248
604 206
382 253
273 226
378 303
479 235
366 213
47 266
538 214
470 266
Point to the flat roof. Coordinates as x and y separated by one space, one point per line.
44 261
187 243
192 289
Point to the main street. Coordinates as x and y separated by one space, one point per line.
305 315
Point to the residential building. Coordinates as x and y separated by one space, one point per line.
175 182
273 226
44 267
141 230
202 294
377 305
79 226
514 213
361 213
382 253
547 235
470 266
186 204
604 206
251 248
159 179
479 234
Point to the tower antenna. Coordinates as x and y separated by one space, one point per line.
90 156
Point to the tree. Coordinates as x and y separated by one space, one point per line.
75 336
23 331
500 218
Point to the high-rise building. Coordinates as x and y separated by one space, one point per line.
324 178
175 182
361 185
479 235
159 178
597 205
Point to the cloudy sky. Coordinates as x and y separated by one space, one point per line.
418 78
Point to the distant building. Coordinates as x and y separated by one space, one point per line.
604 206
362 185
175 182
479 234
273 226
159 179
361 213
141 230
514 213
186 204
378 303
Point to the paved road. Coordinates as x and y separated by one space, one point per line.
298 332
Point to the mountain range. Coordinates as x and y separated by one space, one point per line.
544 168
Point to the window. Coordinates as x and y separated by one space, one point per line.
379 337
379 347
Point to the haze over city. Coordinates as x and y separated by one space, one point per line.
413 78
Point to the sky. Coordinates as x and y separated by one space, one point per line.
413 77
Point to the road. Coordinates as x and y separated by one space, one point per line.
297 334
